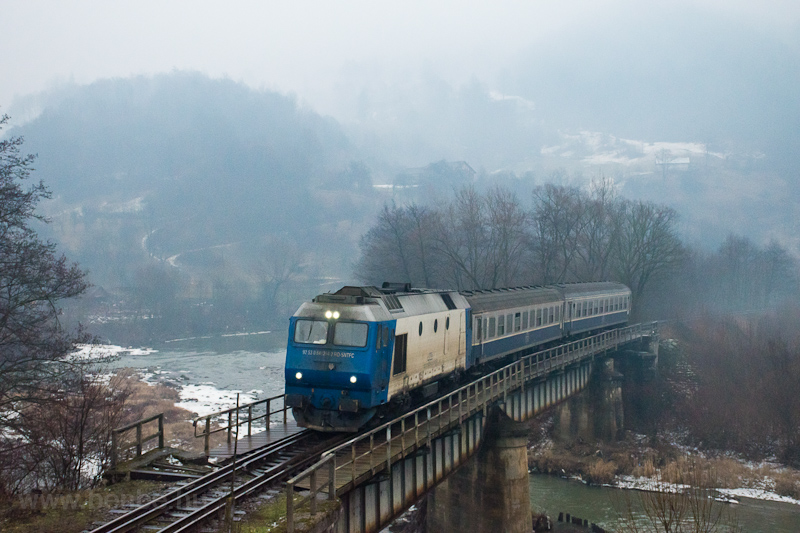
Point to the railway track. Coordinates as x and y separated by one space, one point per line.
203 499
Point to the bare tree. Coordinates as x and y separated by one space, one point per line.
463 240
558 217
508 222
35 373
646 244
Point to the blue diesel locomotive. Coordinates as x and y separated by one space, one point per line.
361 350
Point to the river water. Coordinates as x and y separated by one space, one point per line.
210 372
605 506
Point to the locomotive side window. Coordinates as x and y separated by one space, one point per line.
386 336
311 331
435 325
350 334
400 343
378 337
420 329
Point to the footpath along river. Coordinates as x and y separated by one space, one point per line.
209 372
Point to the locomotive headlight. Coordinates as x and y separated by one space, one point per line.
299 375
328 314
352 379
335 315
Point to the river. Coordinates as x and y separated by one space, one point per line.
605 506
211 371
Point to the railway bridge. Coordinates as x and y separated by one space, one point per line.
465 451
380 473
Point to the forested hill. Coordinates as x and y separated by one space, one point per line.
183 188
188 143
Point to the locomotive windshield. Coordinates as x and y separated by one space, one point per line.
311 332
350 334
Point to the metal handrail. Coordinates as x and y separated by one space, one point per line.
245 409
477 396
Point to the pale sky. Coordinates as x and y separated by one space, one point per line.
308 48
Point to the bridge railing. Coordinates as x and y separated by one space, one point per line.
247 414
376 450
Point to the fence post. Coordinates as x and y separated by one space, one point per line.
138 439
207 446
332 478
230 422
114 445
161 430
269 412
249 418
289 508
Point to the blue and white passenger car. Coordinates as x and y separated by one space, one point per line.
352 353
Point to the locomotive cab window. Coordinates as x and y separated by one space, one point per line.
350 334
311 331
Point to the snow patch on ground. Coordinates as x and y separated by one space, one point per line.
101 351
205 399
653 485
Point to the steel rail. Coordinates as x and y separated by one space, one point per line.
136 518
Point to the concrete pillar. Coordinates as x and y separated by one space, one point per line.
596 413
491 492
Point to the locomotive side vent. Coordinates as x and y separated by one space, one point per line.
392 303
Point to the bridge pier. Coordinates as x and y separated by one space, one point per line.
597 413
491 492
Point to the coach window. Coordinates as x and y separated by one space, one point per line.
509 323
517 321
558 314
478 327
525 320
501 326
492 324
552 315
350 334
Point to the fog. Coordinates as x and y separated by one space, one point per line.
234 156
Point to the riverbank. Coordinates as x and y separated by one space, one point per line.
639 462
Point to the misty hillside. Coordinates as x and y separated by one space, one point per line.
200 179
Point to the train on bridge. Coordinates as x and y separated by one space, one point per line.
363 352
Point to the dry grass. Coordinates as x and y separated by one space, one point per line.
146 400
601 472
73 511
